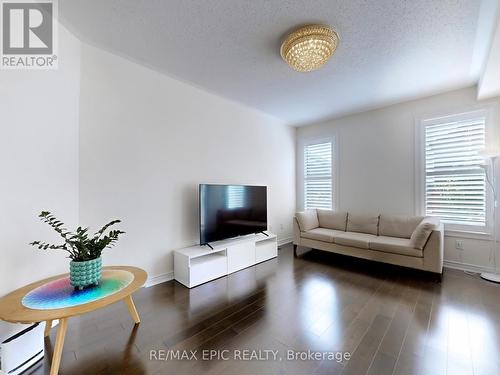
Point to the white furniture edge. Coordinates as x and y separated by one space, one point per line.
236 254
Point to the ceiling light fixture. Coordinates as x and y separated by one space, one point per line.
309 47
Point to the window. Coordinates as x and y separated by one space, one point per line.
318 189
455 182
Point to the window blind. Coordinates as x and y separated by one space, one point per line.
455 183
318 176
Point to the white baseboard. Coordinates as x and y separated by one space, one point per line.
284 241
466 267
154 280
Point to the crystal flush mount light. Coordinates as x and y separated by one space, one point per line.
309 47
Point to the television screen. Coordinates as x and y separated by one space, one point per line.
231 210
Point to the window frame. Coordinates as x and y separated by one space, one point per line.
302 144
475 231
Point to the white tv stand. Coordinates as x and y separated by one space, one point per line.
196 265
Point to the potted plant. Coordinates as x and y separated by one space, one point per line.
84 250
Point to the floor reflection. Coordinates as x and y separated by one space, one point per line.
318 305
391 320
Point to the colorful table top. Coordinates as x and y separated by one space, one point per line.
54 298
58 294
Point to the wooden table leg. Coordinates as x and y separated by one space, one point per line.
48 326
132 310
56 357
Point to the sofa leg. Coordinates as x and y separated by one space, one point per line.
438 277
295 250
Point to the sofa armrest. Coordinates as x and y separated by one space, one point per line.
296 231
434 250
307 219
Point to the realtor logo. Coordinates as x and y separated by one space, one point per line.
28 34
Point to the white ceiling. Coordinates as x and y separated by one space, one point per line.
390 50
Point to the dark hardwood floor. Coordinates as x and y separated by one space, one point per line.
391 320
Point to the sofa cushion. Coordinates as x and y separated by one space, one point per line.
360 240
398 226
321 234
307 220
423 231
362 223
395 245
332 219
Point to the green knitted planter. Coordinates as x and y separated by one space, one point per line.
85 273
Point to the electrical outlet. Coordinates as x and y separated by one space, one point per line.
459 244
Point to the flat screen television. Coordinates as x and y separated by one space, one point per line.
228 211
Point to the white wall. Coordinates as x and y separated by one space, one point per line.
38 164
147 141
376 153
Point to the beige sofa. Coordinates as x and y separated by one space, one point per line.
415 242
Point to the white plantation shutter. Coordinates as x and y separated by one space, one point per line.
318 190
455 184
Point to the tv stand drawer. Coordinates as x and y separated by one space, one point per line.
265 250
241 255
206 268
